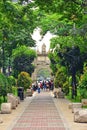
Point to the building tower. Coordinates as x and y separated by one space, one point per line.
43 49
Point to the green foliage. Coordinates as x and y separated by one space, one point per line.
44 73
16 26
24 80
58 16
60 77
22 60
83 84
65 18
2 85
53 64
66 87
12 80
61 80
77 99
14 90
5 85
24 50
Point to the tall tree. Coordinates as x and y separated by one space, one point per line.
22 60
16 26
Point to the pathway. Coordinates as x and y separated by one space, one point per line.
41 114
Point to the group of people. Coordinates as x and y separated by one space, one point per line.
43 85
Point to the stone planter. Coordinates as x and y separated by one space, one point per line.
6 108
80 116
76 105
13 100
84 102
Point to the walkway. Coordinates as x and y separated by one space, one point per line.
60 106
40 114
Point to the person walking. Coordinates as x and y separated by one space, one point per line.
38 87
44 87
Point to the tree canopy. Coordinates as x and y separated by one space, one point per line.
22 60
66 19
16 26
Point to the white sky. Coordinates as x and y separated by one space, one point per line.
39 40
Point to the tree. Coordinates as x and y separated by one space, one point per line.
16 26
70 52
58 16
22 60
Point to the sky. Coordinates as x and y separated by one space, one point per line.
39 40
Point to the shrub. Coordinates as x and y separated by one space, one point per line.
24 80
14 90
60 78
66 87
2 85
5 85
12 80
83 84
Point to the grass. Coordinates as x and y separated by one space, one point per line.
84 107
77 99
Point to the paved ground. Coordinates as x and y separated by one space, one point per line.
41 112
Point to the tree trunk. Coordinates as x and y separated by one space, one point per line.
74 87
3 59
9 66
